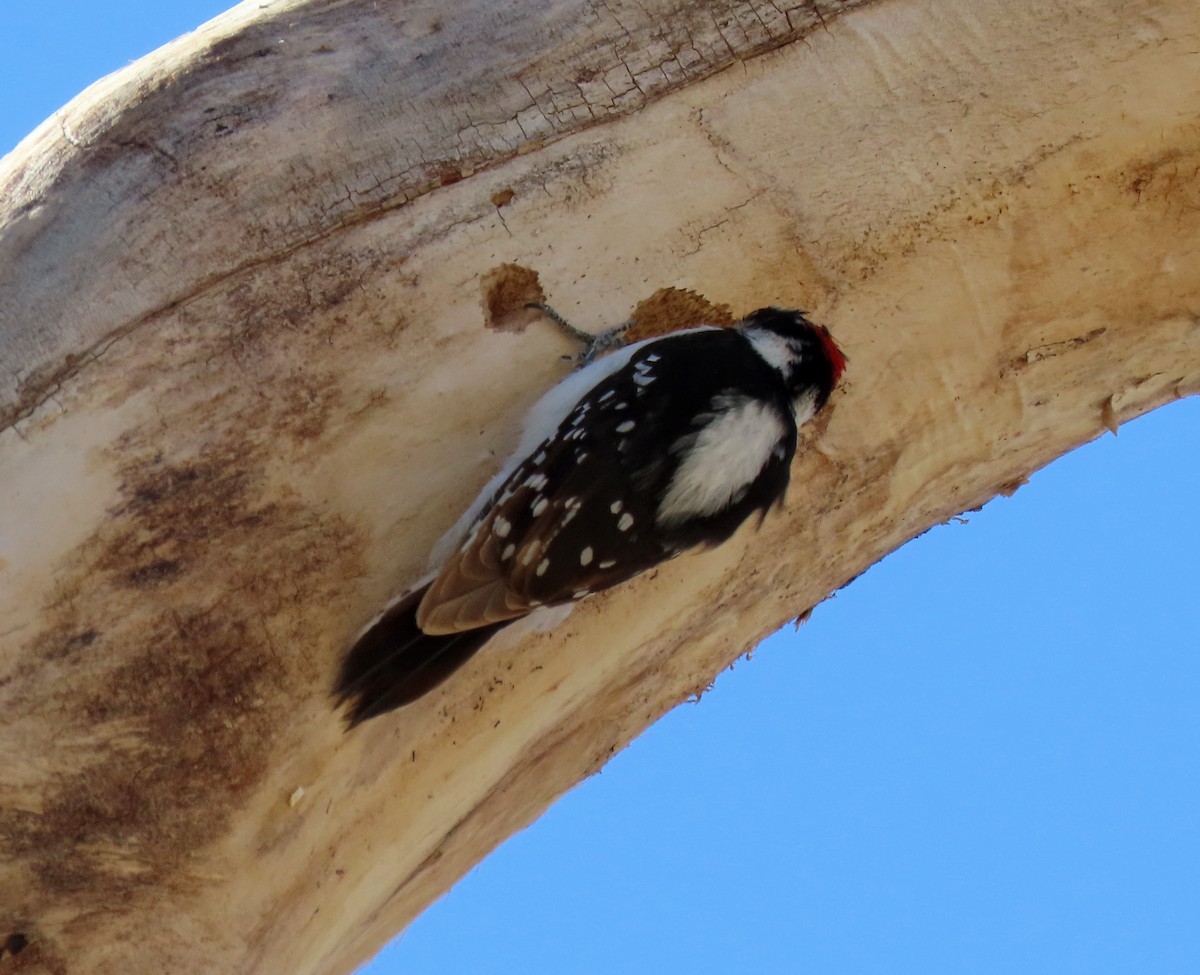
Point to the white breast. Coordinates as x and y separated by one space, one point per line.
722 459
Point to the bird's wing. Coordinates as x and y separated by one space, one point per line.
581 512
571 519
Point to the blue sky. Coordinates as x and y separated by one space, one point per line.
980 757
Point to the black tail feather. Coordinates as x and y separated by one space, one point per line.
394 662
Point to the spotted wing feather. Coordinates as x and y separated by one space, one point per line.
542 538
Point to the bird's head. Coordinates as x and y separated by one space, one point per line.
803 352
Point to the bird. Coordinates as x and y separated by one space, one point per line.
661 446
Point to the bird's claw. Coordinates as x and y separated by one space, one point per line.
593 345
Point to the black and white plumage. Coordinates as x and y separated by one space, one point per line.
664 445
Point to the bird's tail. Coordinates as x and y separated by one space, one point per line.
394 662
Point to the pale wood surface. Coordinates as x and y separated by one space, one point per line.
248 385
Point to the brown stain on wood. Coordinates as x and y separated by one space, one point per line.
182 635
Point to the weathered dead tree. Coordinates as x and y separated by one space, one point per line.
243 291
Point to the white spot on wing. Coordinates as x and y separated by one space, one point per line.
508 552
722 459
502 526
616 507
539 506
625 522
626 426
585 557
542 567
541 425
608 563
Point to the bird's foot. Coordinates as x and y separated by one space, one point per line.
593 345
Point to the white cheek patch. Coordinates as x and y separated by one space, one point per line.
721 460
775 349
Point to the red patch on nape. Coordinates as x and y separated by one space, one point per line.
837 358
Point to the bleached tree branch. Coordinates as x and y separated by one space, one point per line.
243 290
